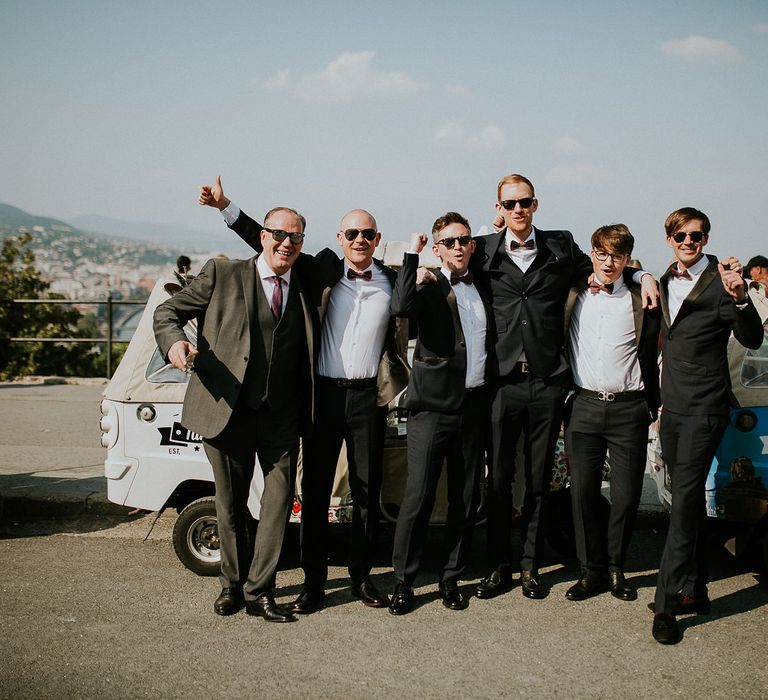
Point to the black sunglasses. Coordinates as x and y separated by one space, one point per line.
279 235
368 233
696 236
525 202
450 242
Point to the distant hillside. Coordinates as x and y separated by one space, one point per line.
12 218
188 240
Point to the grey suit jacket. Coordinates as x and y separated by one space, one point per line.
223 299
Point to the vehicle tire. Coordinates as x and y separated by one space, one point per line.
196 538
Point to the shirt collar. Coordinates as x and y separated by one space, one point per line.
697 268
508 237
370 267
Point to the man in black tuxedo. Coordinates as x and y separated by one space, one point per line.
529 273
702 302
361 367
613 351
242 403
447 399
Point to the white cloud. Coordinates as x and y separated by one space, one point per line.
454 134
702 49
762 28
349 75
569 146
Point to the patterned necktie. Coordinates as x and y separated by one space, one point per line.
684 275
595 287
467 279
353 275
528 245
277 297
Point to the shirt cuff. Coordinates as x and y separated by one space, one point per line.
230 213
637 277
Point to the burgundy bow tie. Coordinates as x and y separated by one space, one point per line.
684 275
352 274
467 279
528 245
595 287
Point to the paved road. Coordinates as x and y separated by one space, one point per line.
101 608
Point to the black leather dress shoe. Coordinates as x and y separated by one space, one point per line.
498 582
532 585
665 629
688 605
309 600
620 588
588 586
266 607
369 594
230 600
452 597
402 600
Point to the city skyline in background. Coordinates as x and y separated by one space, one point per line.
617 111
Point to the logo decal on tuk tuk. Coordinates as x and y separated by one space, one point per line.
178 435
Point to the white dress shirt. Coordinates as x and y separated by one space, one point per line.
679 288
267 275
230 213
522 257
355 326
474 325
602 342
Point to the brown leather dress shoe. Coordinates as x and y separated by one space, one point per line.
453 598
665 629
532 585
309 600
620 588
266 607
402 600
495 584
369 594
230 600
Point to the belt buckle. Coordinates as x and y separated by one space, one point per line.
606 395
524 368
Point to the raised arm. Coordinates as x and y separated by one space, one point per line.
404 294
244 226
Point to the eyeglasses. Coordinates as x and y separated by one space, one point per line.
696 236
525 203
368 233
279 235
450 242
602 256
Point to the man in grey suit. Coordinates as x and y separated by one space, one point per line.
250 395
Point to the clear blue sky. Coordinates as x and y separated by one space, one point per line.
618 111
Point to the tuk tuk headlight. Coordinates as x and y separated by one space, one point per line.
745 421
108 424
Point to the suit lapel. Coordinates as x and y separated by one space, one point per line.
705 279
453 303
637 311
249 277
570 303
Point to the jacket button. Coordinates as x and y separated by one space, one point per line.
524 322
462 344
245 358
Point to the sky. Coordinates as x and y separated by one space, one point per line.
617 111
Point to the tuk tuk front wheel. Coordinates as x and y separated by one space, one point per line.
196 538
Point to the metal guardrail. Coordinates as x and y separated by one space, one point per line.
109 302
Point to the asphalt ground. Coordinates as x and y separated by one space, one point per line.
101 608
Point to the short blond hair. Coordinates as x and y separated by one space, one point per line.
512 179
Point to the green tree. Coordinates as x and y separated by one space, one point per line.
20 279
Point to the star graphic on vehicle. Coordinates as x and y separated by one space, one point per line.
197 448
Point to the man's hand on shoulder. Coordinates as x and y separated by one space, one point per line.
649 291
213 195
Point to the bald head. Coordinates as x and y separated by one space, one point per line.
358 218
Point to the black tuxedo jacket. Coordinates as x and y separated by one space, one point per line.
647 327
438 374
695 377
323 271
528 306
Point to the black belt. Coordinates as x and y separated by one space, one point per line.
349 383
611 395
474 389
